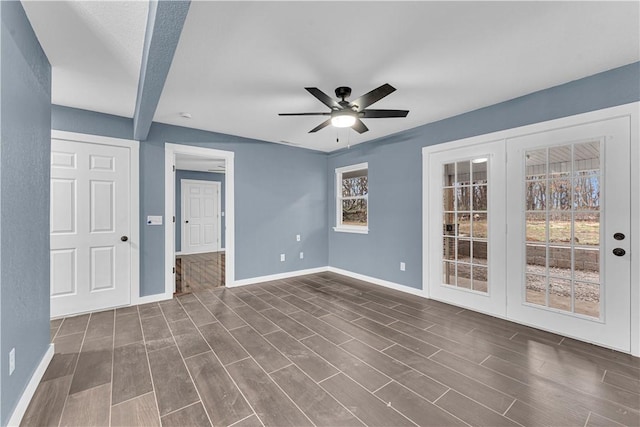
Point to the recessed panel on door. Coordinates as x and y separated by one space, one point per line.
194 234
209 234
102 163
194 208
63 205
63 272
102 206
61 159
103 268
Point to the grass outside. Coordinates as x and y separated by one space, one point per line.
585 232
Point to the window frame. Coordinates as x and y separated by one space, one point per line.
360 229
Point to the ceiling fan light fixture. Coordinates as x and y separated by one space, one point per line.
343 119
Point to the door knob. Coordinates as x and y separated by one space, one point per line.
619 236
187 222
619 252
124 238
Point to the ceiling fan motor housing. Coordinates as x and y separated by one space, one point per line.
343 92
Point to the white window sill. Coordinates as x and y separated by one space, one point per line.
357 230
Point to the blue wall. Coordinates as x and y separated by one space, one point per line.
280 191
271 211
202 176
25 134
395 170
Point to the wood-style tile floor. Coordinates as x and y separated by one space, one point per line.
324 350
199 272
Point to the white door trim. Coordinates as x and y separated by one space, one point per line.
631 110
134 192
183 183
170 210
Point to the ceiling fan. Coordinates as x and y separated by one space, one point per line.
349 114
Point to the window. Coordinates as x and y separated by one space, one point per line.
465 238
352 196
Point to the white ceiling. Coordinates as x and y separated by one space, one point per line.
95 49
239 64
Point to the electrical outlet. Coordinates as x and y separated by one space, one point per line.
281 257
402 266
301 255
12 361
297 237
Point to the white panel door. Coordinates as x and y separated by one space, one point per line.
466 248
90 225
201 216
568 211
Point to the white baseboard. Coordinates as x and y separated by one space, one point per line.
376 281
30 390
278 276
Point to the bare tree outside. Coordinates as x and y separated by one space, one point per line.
354 200
352 197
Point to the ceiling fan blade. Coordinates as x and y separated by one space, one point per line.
378 114
324 98
321 126
304 114
359 127
374 96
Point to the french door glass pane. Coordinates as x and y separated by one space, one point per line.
536 195
562 227
449 273
536 289
463 173
560 293
464 203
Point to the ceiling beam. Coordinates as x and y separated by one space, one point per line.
164 26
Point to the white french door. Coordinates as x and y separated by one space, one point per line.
90 227
466 223
536 227
200 216
569 264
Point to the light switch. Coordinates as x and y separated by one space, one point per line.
154 220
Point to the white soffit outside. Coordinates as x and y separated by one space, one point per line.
238 64
95 51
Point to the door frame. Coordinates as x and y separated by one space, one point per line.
134 195
631 110
171 150
183 183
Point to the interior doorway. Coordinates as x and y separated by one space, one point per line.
199 202
199 235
